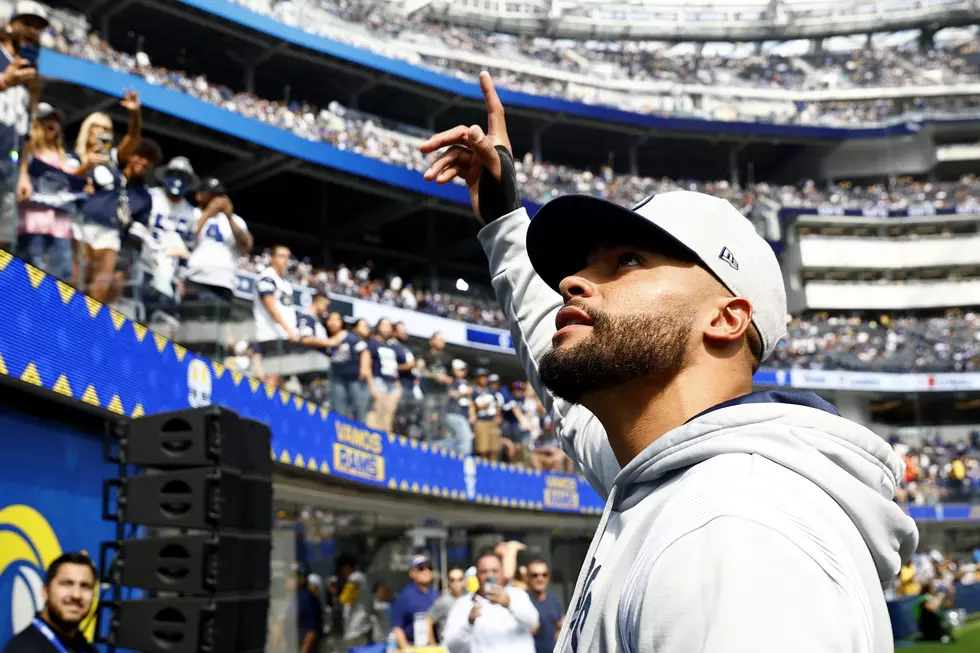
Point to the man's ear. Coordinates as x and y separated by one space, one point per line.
730 321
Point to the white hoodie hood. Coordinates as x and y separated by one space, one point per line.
806 435
776 482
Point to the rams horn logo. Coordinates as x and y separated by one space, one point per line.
28 545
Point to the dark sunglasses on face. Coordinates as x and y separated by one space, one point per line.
423 568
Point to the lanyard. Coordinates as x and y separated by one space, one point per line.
47 632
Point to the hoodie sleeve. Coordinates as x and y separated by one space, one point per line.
736 586
530 306
458 631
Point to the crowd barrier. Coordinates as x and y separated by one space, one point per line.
469 90
420 325
900 610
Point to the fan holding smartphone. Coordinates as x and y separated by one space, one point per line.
19 40
498 618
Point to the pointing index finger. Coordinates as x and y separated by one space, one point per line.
495 108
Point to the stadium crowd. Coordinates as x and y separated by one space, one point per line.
352 601
195 246
587 71
397 144
939 472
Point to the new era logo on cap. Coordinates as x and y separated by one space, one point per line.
727 256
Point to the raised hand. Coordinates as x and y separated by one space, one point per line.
471 151
18 72
131 101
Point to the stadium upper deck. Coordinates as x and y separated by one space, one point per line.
736 20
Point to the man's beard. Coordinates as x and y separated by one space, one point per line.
59 621
619 350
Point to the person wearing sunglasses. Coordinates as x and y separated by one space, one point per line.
417 597
440 609
551 613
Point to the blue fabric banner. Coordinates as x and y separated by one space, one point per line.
57 338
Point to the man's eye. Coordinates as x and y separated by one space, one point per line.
629 259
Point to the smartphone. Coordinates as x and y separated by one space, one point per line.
491 581
105 142
31 53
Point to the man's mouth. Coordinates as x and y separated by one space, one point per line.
568 319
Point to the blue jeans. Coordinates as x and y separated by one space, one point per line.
53 255
352 399
462 433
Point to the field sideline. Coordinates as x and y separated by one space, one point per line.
967 641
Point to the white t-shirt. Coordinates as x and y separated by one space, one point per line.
497 630
270 283
164 239
171 216
213 261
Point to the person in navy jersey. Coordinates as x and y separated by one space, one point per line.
350 368
407 376
119 200
416 598
514 430
69 590
304 613
309 327
460 413
385 389
409 410
551 614
18 97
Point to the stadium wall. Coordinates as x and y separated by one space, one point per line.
913 153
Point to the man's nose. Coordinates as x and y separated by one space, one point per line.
576 286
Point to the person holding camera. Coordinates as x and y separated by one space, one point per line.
97 245
498 618
19 41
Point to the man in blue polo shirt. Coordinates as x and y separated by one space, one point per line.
304 612
417 597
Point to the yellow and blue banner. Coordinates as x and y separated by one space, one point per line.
58 338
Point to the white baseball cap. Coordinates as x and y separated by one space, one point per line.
30 8
567 229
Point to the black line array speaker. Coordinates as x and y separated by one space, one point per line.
192 502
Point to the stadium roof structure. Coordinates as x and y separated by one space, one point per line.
702 20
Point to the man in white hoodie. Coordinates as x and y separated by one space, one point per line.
735 520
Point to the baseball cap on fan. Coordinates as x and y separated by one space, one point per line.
30 8
564 232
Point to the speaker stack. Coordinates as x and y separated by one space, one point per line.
192 501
